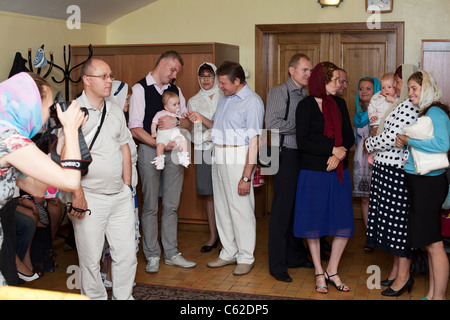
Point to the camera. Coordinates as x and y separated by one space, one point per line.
54 121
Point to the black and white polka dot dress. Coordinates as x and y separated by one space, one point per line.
388 206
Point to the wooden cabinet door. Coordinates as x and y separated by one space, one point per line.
436 60
130 63
351 46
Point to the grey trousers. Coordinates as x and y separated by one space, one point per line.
171 179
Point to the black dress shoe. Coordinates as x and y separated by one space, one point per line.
209 248
389 292
282 276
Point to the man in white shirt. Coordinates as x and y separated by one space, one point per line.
145 102
236 126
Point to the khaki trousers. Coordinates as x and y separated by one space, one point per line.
112 216
235 214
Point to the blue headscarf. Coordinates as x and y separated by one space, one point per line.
20 105
361 117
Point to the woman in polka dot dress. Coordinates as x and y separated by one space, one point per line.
388 206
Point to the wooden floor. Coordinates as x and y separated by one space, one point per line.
353 270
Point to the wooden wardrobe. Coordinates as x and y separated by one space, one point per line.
130 63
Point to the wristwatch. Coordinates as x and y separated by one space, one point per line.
178 121
245 179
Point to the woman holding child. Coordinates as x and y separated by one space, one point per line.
388 207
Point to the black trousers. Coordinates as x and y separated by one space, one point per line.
8 251
284 249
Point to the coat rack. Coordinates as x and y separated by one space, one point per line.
30 65
67 79
67 70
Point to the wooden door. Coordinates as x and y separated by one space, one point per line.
351 46
436 60
130 63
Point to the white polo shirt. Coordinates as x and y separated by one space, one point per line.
105 170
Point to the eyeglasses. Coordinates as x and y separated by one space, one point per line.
206 77
103 76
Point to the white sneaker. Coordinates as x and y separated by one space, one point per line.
152 265
183 158
159 162
178 260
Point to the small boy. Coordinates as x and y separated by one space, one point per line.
171 103
381 102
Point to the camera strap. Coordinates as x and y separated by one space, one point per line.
99 126
86 158
78 164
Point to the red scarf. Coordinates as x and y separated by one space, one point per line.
330 110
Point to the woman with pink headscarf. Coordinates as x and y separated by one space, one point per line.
25 101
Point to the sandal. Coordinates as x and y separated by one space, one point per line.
341 287
322 287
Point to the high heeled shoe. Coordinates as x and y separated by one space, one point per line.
389 292
321 288
209 248
341 287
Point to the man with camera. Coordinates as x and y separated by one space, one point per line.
103 206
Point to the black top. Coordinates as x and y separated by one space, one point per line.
315 148
153 102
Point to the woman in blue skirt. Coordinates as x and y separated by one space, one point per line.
324 197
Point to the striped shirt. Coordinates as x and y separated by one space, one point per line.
276 110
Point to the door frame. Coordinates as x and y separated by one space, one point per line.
264 31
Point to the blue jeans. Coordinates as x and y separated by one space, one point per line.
25 227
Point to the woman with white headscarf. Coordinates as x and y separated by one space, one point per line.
427 191
201 108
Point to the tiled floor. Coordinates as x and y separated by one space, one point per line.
353 270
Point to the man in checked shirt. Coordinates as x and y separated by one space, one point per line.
285 251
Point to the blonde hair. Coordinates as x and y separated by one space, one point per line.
387 76
167 95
